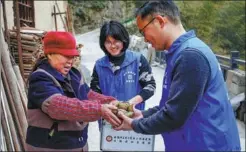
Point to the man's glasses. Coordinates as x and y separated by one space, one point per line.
142 30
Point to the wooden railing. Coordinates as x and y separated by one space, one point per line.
226 63
232 62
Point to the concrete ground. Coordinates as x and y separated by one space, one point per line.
90 53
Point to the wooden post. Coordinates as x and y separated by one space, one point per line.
17 21
6 33
5 122
14 111
10 81
65 18
55 17
69 20
33 13
60 13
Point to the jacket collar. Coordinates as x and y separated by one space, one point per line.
47 67
127 60
178 42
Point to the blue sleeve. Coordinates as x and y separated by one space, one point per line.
41 87
146 79
190 76
150 111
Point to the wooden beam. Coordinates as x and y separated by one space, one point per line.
6 33
64 24
55 17
58 13
17 20
69 20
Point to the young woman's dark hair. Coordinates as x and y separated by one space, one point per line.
116 30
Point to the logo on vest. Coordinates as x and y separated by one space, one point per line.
129 76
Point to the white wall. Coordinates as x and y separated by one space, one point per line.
9 13
43 18
1 17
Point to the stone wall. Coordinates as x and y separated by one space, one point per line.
89 15
235 82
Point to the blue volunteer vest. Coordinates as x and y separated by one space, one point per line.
212 125
124 83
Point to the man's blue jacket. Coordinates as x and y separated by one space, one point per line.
194 112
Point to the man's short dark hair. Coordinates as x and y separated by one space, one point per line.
116 30
161 7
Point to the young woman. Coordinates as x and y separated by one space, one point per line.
121 73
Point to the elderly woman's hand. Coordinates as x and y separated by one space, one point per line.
114 102
109 116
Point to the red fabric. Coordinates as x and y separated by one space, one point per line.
73 109
61 43
92 95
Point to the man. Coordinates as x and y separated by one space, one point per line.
194 112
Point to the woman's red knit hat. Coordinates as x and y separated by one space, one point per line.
61 43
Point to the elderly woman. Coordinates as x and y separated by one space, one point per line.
60 104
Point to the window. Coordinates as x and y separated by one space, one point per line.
26 13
